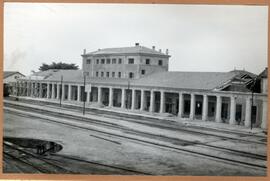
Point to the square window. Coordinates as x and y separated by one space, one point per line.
119 74
142 72
96 74
108 61
131 75
113 74
119 61
102 74
108 74
160 62
147 61
97 61
113 61
131 61
88 61
102 61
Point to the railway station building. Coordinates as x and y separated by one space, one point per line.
137 78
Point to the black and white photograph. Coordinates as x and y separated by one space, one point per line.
135 89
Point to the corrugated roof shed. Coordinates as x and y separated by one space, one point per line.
178 80
10 73
264 73
187 80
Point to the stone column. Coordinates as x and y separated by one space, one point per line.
232 110
40 90
99 95
63 92
162 95
88 96
22 89
133 100
192 106
218 109
32 89
79 93
205 108
69 92
142 101
48 90
53 92
180 105
248 112
123 98
110 97
152 101
18 88
58 91
264 123
28 88
35 91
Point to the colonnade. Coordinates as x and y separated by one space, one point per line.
55 90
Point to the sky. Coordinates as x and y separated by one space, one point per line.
212 38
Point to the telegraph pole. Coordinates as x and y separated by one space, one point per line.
61 92
17 92
252 95
84 98
128 96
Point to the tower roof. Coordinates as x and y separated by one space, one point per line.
137 49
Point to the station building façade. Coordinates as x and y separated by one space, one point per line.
137 78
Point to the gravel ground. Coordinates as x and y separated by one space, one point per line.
149 159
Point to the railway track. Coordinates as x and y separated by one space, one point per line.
163 138
44 164
157 123
143 120
28 159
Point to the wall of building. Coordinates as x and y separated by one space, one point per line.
125 68
264 85
12 78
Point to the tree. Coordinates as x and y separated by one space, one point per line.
59 65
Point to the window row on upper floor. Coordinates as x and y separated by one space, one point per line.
119 61
114 74
105 61
108 74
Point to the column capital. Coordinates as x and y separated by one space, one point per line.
248 98
233 96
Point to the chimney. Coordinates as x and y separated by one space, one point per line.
153 47
137 44
84 51
160 50
167 51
